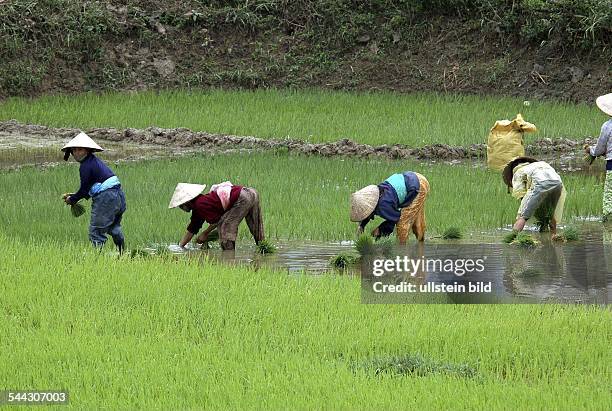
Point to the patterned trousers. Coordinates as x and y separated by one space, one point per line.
413 216
607 197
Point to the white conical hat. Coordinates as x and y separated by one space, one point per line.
605 103
363 202
185 192
82 140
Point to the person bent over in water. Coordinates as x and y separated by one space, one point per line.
223 208
540 190
399 200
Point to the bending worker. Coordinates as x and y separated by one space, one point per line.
399 200
604 148
224 207
539 188
102 185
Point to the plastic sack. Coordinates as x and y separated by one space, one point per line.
506 141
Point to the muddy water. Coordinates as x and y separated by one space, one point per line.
551 272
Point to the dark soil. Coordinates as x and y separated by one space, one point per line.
105 46
185 138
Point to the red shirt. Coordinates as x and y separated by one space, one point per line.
207 207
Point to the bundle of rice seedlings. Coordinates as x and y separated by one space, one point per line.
569 234
524 240
342 260
365 244
385 246
509 238
266 247
452 233
77 209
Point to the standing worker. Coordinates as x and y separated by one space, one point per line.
224 207
604 147
104 188
399 200
539 188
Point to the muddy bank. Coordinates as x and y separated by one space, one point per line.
187 139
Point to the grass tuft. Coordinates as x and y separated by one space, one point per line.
343 260
452 233
416 365
524 240
365 244
266 247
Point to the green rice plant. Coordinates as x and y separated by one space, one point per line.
543 216
343 260
524 239
568 235
77 209
452 233
313 115
509 237
385 246
364 244
415 365
266 247
184 323
287 213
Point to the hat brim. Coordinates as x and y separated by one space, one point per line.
604 103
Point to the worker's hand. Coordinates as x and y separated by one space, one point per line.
587 149
202 238
359 230
66 197
376 232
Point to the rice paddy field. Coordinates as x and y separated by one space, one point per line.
174 333
316 116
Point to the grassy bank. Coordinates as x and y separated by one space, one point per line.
153 334
316 116
302 197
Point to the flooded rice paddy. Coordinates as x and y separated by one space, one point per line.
576 272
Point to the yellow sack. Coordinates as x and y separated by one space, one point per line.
506 141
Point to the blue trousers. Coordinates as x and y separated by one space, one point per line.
106 213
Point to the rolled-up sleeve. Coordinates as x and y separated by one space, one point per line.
195 224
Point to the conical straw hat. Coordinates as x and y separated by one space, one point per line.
185 192
82 140
363 202
605 103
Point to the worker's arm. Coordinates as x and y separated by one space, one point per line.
204 235
602 143
186 238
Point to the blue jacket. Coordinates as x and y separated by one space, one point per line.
92 170
389 205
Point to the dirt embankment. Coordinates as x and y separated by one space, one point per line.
187 139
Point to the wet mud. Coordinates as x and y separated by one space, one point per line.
185 139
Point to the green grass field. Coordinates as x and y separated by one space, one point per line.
155 334
302 197
316 116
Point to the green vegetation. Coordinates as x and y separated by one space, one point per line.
266 247
452 233
318 210
342 261
315 116
415 365
113 331
568 235
524 239
53 42
77 209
